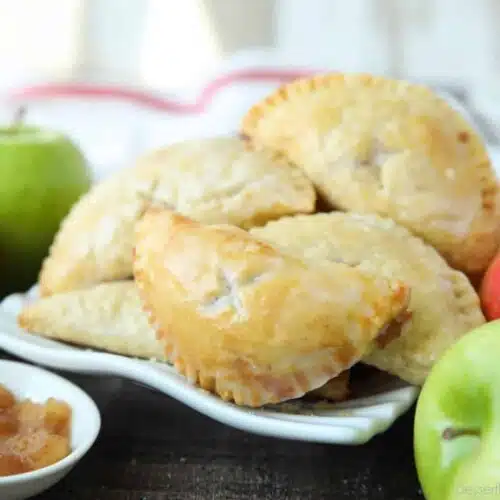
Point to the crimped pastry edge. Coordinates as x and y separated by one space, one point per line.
468 304
82 274
489 186
30 319
300 383
297 384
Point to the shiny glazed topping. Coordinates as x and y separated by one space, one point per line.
32 435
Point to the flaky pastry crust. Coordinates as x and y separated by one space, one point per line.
443 304
211 180
376 145
107 317
110 317
248 322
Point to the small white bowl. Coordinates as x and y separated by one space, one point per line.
38 385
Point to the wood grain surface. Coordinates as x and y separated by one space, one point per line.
153 448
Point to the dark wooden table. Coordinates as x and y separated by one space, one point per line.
153 448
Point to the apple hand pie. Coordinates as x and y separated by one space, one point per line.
443 304
374 145
211 180
110 317
248 322
107 317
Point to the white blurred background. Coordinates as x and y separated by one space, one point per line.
171 46
168 43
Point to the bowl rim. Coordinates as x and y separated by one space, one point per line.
93 415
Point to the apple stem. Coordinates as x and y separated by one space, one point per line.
19 116
450 433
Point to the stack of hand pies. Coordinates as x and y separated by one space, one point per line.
343 227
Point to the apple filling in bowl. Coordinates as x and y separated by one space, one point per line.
32 435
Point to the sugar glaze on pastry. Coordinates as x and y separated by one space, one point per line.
110 317
215 180
443 304
248 322
376 145
107 316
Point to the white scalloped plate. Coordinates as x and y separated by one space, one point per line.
353 422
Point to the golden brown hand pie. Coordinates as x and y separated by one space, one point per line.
443 304
211 180
248 322
374 145
108 317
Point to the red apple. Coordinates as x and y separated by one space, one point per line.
490 290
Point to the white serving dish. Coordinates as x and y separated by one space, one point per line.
28 381
353 422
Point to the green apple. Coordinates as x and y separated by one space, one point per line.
457 420
42 174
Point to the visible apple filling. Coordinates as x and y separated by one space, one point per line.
226 297
393 329
373 159
32 435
